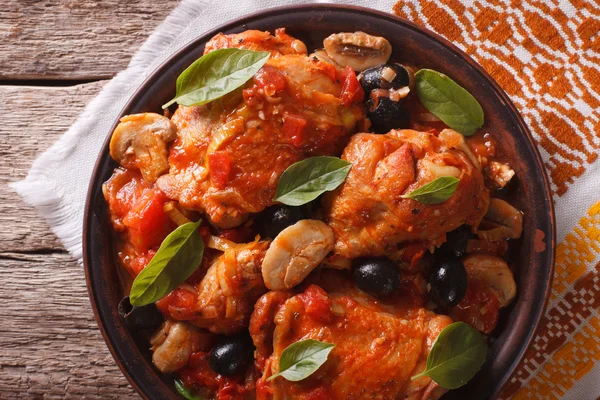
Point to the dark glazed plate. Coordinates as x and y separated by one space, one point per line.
534 267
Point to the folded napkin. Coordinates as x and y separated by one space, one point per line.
546 58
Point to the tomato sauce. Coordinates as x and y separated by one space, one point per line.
480 306
199 376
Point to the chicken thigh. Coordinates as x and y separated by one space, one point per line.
228 155
223 300
391 341
368 214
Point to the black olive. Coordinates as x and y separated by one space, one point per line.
144 317
378 276
386 114
276 218
456 242
448 282
373 78
231 355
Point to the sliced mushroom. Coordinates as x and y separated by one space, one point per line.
295 252
504 222
173 343
140 141
357 50
494 272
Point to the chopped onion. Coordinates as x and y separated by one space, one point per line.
388 74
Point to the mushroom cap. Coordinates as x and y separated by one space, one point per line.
295 252
357 50
493 271
140 142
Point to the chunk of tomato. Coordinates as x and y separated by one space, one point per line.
271 80
220 167
351 89
147 223
294 127
317 304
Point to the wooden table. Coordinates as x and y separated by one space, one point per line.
55 56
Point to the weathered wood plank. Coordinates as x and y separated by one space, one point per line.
50 346
66 39
33 119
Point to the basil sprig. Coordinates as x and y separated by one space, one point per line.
185 392
178 256
448 101
436 191
305 180
301 359
215 74
456 356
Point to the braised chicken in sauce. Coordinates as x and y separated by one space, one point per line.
228 154
251 282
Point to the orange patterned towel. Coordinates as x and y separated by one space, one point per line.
546 56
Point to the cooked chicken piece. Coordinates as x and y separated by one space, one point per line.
226 295
262 324
368 214
140 142
229 154
388 340
173 343
279 44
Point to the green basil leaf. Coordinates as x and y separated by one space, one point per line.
456 356
301 359
305 180
448 101
215 74
436 191
185 392
178 256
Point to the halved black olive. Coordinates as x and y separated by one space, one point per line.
448 282
231 355
276 218
386 114
378 276
144 317
384 76
456 242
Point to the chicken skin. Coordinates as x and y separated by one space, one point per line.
390 341
228 155
223 300
368 214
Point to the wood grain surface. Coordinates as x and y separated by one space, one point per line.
50 346
74 39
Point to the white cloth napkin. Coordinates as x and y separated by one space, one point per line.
58 180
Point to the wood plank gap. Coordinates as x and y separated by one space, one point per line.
49 82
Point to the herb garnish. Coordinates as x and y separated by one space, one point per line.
301 359
456 356
305 180
185 392
178 256
436 191
215 74
448 101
